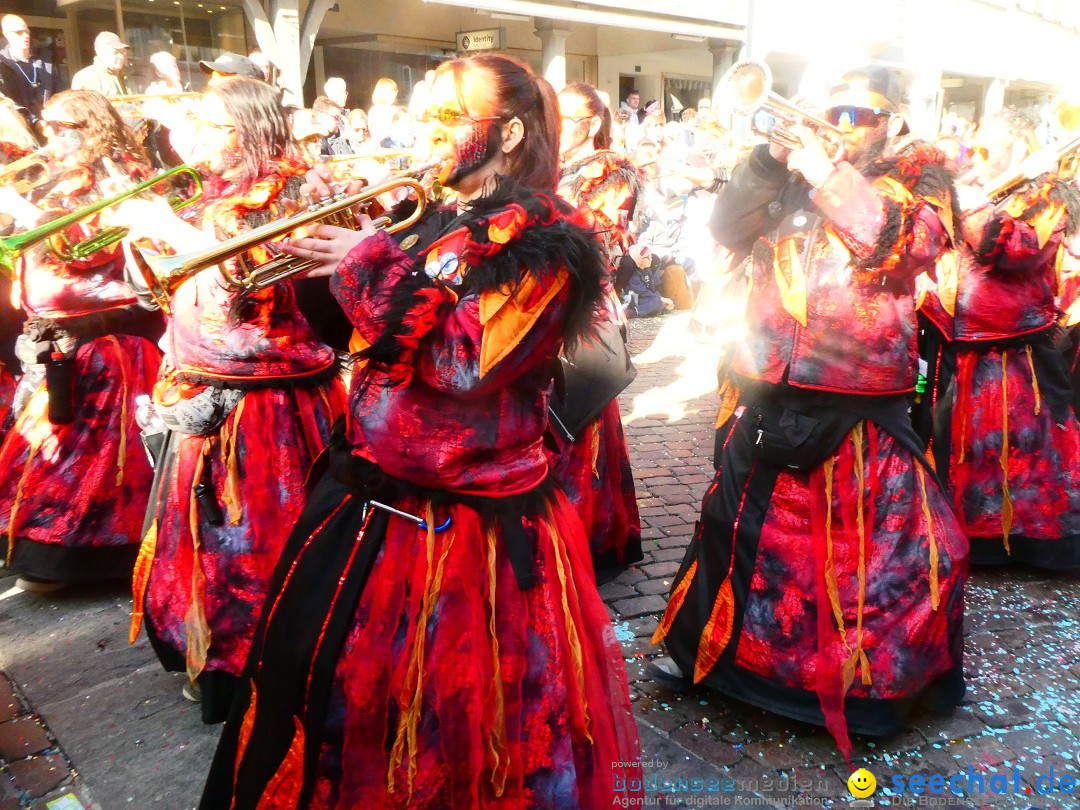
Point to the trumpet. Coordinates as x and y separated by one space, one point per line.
12 247
164 274
1065 156
746 88
9 175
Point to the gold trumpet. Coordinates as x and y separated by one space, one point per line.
9 175
746 89
164 274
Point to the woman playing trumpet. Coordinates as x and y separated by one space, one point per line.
435 638
248 393
74 479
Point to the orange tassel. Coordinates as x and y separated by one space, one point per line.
935 597
230 494
831 584
729 401
1034 381
412 691
675 603
562 568
497 742
121 455
860 475
140 579
594 446
198 629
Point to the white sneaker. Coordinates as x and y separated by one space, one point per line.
31 585
192 692
667 672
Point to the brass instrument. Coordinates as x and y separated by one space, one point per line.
12 247
142 98
1064 156
9 174
746 89
164 274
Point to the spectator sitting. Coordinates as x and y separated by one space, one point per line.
637 281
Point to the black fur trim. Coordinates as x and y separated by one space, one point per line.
538 248
896 228
931 180
1061 191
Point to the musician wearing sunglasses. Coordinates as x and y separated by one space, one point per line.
434 636
73 477
1007 440
247 393
825 580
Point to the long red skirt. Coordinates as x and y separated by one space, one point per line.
595 472
430 676
833 595
72 496
202 585
1014 459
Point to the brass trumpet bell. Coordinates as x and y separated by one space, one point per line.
746 89
35 168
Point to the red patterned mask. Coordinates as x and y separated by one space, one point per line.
473 144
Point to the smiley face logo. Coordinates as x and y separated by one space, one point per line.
862 783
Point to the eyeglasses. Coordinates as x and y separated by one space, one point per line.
60 125
854 116
576 120
215 125
455 118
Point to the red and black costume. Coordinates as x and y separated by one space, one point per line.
75 479
1007 441
594 466
11 318
825 579
226 497
468 661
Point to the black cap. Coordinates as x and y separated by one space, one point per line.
870 86
232 64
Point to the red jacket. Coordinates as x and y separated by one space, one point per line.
1007 284
832 301
454 392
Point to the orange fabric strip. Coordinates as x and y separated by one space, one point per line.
195 624
678 596
500 756
935 597
140 579
717 632
283 790
1034 380
566 583
244 737
508 318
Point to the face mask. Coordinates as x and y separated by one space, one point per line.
473 145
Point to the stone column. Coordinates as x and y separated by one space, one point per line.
553 51
723 57
995 97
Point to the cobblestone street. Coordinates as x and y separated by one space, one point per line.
88 717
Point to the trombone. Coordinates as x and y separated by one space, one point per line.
12 247
164 274
9 174
746 88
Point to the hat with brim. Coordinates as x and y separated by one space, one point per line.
107 39
870 87
232 64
